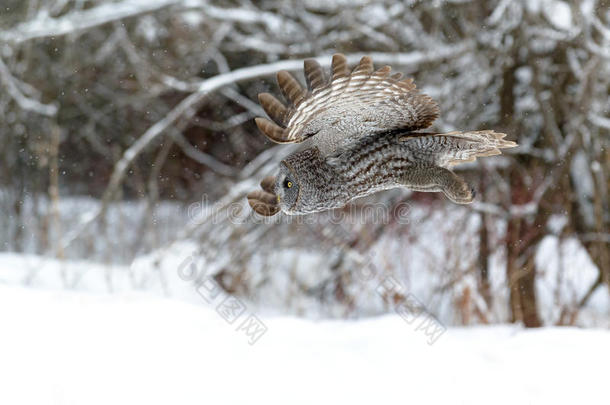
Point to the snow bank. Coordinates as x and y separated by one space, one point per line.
60 347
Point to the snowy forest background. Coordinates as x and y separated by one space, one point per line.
127 142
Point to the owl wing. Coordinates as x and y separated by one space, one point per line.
346 107
264 202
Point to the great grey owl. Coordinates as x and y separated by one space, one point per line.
358 131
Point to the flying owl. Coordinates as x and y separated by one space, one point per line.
359 135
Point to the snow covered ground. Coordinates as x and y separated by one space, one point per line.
60 347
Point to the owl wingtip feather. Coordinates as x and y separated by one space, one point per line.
273 107
290 87
314 74
263 203
271 130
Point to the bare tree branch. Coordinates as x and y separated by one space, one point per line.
24 102
43 26
201 157
187 108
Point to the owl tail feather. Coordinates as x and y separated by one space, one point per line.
461 147
448 150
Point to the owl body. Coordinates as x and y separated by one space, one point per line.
360 135
372 164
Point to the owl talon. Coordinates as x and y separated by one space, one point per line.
463 195
456 188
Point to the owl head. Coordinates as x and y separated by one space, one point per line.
304 184
279 192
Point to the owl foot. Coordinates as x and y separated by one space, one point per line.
458 190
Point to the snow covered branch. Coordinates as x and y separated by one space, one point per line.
21 99
43 26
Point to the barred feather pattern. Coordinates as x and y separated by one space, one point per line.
350 106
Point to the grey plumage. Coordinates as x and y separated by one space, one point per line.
358 135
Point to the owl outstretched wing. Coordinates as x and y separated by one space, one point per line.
346 107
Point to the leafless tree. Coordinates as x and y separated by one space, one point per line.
154 100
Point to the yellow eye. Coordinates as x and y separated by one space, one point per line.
289 184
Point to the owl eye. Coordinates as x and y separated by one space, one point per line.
287 184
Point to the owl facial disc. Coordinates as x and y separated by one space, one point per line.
287 188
